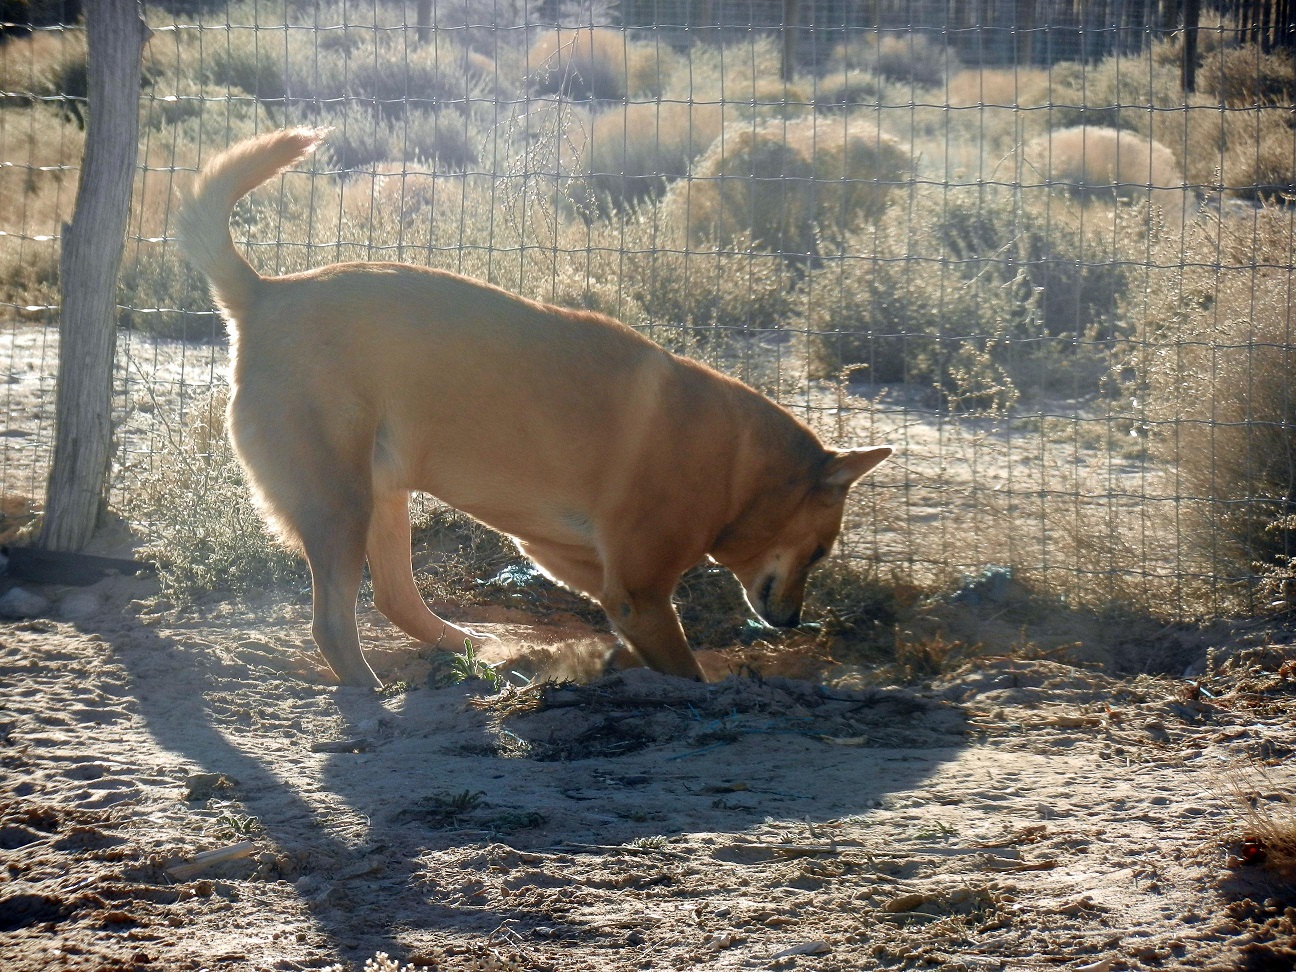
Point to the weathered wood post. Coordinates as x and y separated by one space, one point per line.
91 256
1188 70
791 15
1025 33
424 19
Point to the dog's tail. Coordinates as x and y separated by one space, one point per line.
203 220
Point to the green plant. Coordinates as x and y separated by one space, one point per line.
654 842
465 666
232 826
446 809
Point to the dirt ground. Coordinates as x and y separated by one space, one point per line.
1014 815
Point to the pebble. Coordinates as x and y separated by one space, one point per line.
78 605
18 603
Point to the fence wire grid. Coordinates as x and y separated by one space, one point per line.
1044 249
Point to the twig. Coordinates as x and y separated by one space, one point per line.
212 858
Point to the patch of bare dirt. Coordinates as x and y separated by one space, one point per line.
1013 815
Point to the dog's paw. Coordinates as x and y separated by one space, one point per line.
455 635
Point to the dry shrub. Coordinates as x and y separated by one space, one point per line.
362 137
1247 151
991 87
598 63
778 184
1137 92
631 152
1243 77
1216 363
849 88
1106 163
976 291
1258 158
44 64
909 58
746 73
728 307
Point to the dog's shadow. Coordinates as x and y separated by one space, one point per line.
418 794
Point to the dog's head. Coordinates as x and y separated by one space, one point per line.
783 536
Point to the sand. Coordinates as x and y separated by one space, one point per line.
1015 814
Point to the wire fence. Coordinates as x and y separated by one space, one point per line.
1045 249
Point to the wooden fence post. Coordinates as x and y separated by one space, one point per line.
1188 69
791 14
424 19
91 256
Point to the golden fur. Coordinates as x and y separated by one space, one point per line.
614 464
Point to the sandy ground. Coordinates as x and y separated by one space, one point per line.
1015 815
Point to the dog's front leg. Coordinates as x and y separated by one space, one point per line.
647 622
396 594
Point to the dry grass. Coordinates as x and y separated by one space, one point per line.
44 64
39 193
205 534
1265 841
1258 160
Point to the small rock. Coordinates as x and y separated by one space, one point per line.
79 605
905 902
19 603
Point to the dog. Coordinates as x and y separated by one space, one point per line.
612 463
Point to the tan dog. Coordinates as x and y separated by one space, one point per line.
614 464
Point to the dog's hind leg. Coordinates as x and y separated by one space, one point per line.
335 550
395 593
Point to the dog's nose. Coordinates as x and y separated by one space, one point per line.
782 619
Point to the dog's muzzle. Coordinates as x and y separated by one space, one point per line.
779 615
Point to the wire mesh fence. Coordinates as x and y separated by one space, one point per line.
1044 249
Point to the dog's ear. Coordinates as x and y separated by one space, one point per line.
845 468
